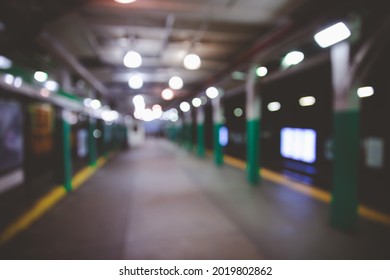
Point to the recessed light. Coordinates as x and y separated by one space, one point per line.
125 1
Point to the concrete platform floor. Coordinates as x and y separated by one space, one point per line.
161 202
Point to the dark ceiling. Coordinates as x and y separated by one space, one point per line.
88 38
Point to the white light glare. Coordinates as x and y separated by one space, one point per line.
274 106
196 102
51 85
136 81
307 101
9 79
332 35
40 76
18 82
212 92
110 116
185 107
175 82
192 61
157 111
95 104
365 92
132 59
167 94
261 71
148 115
293 58
139 104
5 63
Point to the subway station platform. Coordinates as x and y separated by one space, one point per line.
159 201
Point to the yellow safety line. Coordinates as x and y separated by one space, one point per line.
238 163
309 190
37 211
312 191
82 176
43 205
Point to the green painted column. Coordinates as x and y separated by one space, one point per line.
253 150
217 124
252 128
201 150
180 128
92 142
188 131
66 151
344 204
106 139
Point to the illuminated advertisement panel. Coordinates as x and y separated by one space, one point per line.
298 144
42 126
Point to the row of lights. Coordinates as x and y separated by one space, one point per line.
147 114
50 85
99 110
211 92
39 76
325 38
306 101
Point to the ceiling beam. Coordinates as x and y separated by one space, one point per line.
58 50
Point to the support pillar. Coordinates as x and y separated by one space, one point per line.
107 138
66 151
344 204
217 122
253 129
201 151
188 131
92 142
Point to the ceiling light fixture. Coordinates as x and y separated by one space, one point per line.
175 82
136 81
132 59
307 101
185 107
196 102
192 61
292 58
41 76
332 35
125 1
261 71
5 63
167 94
52 85
365 91
274 106
212 92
